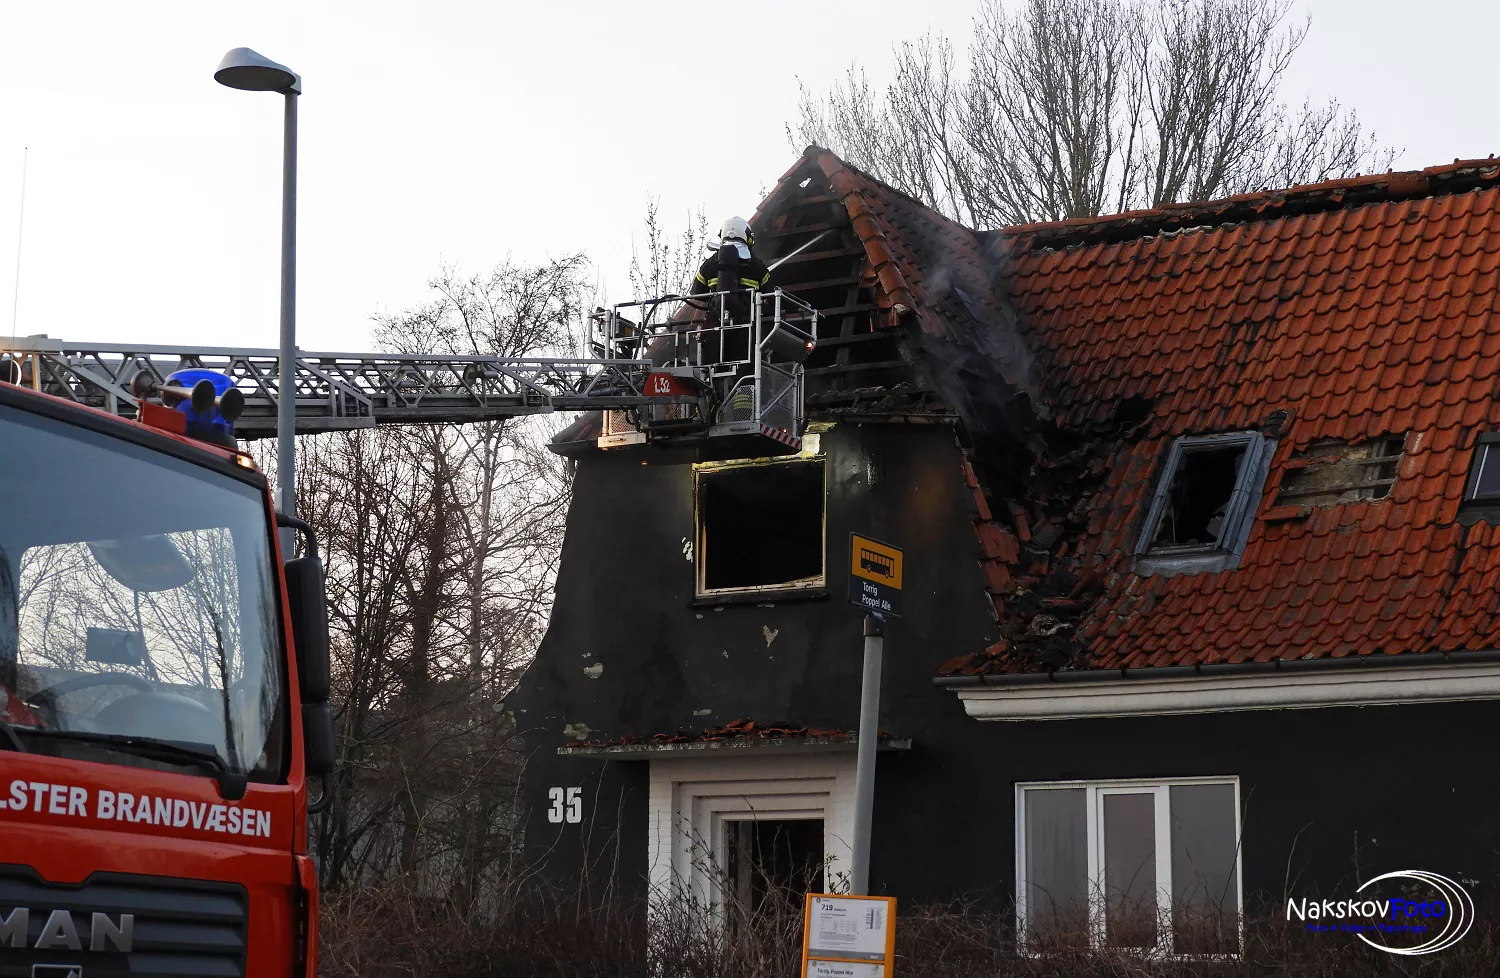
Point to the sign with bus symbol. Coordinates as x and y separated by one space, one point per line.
875 575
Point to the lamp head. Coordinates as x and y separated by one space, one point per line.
248 71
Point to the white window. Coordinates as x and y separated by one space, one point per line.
1207 497
1151 865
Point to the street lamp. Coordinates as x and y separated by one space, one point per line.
248 71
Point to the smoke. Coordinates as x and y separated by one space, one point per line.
973 352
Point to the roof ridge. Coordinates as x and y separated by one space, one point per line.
1337 194
815 152
1459 176
870 228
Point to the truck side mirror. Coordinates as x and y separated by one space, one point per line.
309 611
309 618
317 740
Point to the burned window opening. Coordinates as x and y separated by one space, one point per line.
1206 496
1331 471
1198 501
760 527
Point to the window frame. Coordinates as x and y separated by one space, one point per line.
1094 794
1239 516
692 800
1477 458
810 587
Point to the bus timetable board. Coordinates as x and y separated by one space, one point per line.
875 574
848 936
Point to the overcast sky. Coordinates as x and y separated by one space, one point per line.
463 132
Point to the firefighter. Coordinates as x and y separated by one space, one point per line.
734 269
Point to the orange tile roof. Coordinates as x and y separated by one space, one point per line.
1347 309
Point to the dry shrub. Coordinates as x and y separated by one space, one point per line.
965 941
395 930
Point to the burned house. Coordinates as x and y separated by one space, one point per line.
1199 509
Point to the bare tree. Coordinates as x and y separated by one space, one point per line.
667 268
441 543
1075 108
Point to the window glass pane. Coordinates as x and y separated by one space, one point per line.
1056 867
1130 870
1487 482
1205 890
137 598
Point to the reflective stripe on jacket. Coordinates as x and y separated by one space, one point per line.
751 274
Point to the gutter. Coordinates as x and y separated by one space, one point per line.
1381 661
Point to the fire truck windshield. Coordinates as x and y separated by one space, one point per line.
136 599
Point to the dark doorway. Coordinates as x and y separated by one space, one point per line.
760 526
774 863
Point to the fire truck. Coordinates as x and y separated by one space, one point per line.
164 664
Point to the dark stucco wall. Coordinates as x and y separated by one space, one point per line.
625 600
1329 795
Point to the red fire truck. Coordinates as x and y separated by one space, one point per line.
164 684
164 670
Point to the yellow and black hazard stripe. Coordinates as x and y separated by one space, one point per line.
712 284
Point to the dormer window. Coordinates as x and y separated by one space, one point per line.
1205 501
1484 472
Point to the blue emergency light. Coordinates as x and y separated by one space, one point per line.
213 406
208 401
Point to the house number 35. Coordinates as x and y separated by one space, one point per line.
567 805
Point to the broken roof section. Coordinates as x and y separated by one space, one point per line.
1344 313
930 286
1078 353
1338 313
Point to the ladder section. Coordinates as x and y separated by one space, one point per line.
339 391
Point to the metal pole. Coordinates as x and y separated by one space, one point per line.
864 770
286 413
15 302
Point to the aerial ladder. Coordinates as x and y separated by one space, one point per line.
722 370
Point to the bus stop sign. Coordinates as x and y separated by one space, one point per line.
874 576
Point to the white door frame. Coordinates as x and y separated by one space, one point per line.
692 798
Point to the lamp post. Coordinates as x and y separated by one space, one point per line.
248 71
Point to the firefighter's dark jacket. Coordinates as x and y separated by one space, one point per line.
742 273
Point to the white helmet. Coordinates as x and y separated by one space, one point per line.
736 229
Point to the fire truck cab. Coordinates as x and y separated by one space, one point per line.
164 686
